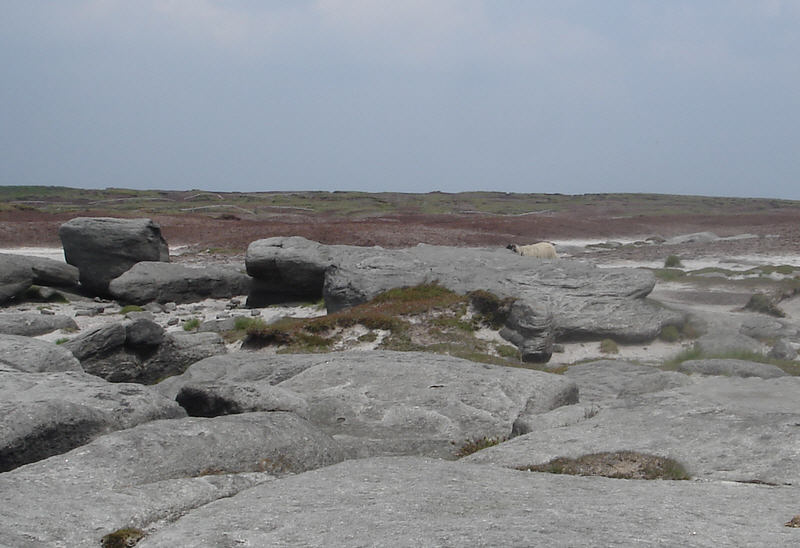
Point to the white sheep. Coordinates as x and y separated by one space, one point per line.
541 250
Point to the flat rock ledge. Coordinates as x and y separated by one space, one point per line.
405 502
390 403
150 474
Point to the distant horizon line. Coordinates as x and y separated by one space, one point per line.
353 191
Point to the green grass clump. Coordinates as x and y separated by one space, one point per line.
62 340
673 261
759 302
122 538
608 346
191 325
668 274
617 464
670 333
472 446
507 351
130 308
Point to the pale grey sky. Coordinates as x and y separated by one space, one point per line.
687 97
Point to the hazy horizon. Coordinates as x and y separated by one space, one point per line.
570 97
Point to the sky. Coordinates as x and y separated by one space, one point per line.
674 97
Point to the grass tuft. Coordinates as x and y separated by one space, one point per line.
608 346
617 464
122 538
473 446
673 261
191 325
759 302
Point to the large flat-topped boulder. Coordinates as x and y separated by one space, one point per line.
413 502
384 402
102 248
289 267
723 428
153 281
44 414
563 299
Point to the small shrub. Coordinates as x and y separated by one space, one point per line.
794 522
62 340
669 333
759 302
368 337
607 346
130 308
122 538
190 325
673 261
473 446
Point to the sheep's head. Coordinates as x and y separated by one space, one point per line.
512 247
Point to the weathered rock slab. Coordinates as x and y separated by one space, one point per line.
409 502
241 368
724 428
103 248
390 403
732 368
35 356
166 282
44 271
148 475
611 379
383 402
43 414
31 324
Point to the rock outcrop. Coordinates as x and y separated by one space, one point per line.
558 300
46 272
152 473
103 248
723 428
396 403
165 282
44 414
140 351
34 356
